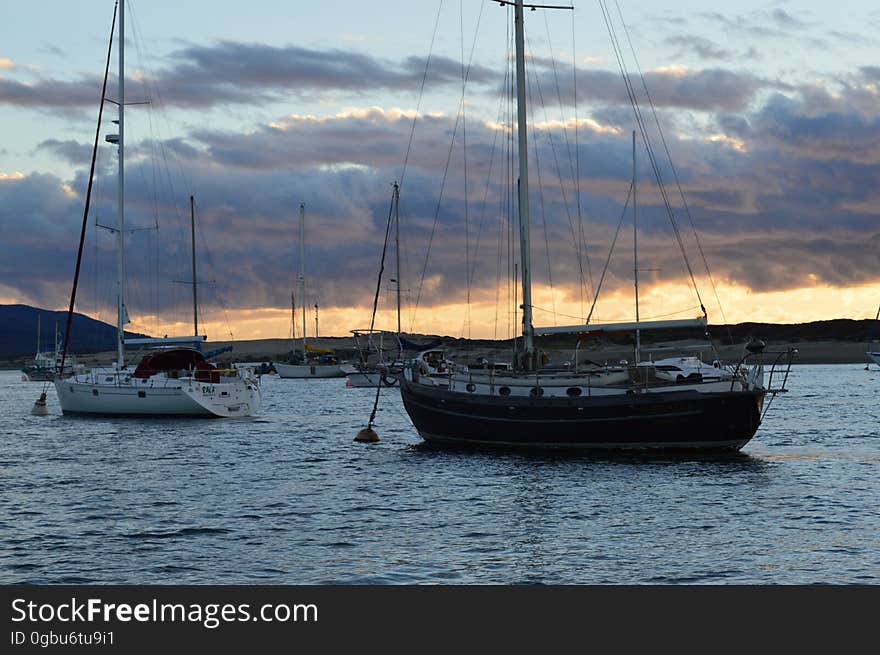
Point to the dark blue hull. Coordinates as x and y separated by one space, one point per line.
672 420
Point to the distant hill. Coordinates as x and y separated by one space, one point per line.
18 331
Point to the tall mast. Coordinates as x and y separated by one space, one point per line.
38 333
524 244
121 312
316 320
192 221
302 269
397 247
636 252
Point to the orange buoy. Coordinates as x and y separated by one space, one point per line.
367 435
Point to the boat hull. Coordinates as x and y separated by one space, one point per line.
196 399
671 420
308 370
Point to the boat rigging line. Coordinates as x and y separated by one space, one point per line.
674 170
367 434
458 118
634 103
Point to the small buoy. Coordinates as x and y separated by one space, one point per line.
367 435
41 409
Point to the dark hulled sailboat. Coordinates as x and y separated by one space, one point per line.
639 406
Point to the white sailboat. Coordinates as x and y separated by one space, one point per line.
670 404
175 379
46 364
874 349
311 362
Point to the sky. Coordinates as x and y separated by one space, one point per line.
768 112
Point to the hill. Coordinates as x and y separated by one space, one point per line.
18 331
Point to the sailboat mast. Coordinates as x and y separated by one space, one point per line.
302 269
397 247
524 243
636 252
192 221
38 334
121 313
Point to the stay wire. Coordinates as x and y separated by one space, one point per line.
674 171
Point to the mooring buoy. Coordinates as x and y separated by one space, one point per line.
40 408
367 435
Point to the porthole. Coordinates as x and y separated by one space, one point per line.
94 392
536 391
471 387
573 392
503 391
142 394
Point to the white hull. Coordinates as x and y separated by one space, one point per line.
308 370
111 395
874 357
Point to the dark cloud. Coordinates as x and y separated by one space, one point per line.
787 201
700 46
72 151
51 93
232 72
241 73
780 181
711 89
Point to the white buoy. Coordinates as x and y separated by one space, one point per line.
40 408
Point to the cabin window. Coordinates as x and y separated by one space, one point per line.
504 391
573 392
536 391
471 387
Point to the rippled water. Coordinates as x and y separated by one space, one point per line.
288 497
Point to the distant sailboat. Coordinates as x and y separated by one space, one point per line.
311 361
873 347
173 380
46 364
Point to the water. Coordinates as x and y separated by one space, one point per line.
288 497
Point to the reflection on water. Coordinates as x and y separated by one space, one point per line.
289 497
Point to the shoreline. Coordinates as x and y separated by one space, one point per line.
268 350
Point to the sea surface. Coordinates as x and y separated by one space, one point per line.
288 497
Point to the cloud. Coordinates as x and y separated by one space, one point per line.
231 72
712 89
701 46
241 73
780 182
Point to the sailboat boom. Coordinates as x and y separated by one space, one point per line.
620 327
